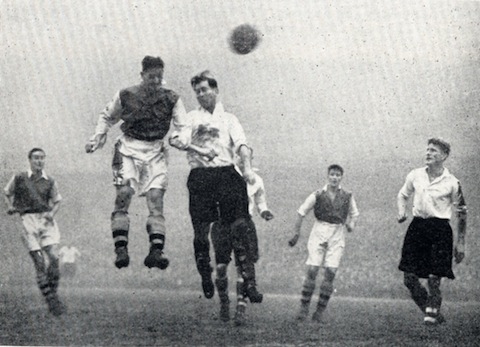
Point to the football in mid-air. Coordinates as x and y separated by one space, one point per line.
244 39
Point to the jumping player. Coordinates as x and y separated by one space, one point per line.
34 196
217 191
335 210
428 246
140 155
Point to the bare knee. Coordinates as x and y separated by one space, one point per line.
123 198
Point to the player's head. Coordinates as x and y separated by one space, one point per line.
152 72
335 175
36 157
205 87
437 151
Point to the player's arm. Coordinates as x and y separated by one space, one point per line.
107 118
402 198
352 215
260 199
461 212
180 137
304 209
244 152
9 196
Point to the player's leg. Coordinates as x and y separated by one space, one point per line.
220 235
53 268
434 301
203 212
124 170
239 318
53 275
239 230
441 255
417 291
333 254
326 290
33 223
308 288
120 224
156 229
233 206
221 282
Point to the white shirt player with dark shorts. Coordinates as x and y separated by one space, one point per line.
327 240
428 244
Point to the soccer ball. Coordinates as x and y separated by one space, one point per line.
243 39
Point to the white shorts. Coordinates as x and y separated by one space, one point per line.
326 244
38 233
141 164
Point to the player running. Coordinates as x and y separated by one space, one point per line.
140 155
335 210
34 196
428 246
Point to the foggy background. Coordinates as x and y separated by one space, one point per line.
359 83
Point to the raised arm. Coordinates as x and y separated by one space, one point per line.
107 118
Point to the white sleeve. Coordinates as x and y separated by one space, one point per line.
307 205
182 129
109 116
408 188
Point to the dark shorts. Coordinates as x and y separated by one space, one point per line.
222 240
217 193
428 248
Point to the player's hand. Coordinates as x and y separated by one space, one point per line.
267 215
401 218
293 240
174 141
97 142
459 253
12 211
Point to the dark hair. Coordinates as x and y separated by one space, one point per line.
150 62
204 76
35 149
335 167
444 145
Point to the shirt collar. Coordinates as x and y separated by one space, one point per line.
444 174
219 109
324 189
30 173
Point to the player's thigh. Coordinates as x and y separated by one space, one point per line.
222 242
50 238
316 250
333 255
30 235
202 196
233 196
154 174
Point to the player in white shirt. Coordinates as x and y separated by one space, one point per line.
428 246
217 191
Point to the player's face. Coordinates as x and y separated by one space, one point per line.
37 161
434 155
334 178
206 95
152 79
